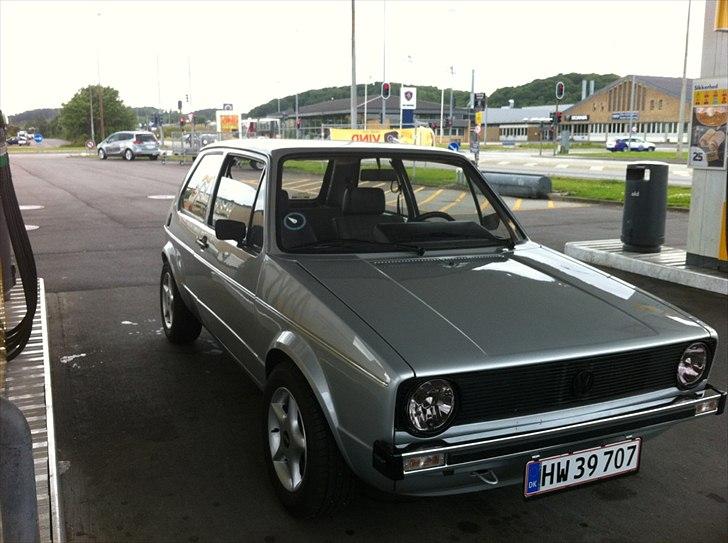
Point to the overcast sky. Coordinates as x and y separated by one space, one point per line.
248 52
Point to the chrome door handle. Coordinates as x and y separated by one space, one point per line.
202 242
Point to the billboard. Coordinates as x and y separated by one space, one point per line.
227 121
408 97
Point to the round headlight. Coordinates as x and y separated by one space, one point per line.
692 364
431 405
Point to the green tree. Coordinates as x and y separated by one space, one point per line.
75 114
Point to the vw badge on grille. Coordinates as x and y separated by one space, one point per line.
582 383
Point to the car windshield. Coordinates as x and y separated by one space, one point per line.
372 204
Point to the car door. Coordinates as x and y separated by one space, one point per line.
240 196
111 142
192 231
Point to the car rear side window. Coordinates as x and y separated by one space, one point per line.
145 138
236 192
196 195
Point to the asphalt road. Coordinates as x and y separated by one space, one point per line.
162 443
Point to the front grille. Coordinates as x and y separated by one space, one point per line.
537 388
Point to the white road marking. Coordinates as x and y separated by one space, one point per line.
596 168
531 164
30 207
29 227
161 197
561 166
504 162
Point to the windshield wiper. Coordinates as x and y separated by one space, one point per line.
419 251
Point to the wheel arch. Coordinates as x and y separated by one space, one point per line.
289 347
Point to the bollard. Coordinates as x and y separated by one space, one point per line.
18 499
8 279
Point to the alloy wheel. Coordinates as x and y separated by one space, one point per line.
167 301
287 439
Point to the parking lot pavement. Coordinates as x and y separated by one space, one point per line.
163 443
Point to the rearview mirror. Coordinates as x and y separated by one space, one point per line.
226 229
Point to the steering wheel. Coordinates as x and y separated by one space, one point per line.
433 215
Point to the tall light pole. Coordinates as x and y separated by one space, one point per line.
452 82
683 88
384 58
353 67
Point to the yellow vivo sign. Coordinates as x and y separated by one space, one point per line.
478 117
416 136
226 121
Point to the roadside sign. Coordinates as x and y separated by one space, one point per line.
479 100
227 107
38 138
408 98
90 144
478 118
477 128
474 145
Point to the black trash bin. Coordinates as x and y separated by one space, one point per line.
645 207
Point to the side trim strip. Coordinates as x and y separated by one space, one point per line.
382 381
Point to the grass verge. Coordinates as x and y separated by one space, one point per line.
16 150
666 156
612 191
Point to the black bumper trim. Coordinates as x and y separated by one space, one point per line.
388 459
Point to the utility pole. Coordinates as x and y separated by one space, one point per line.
442 109
452 76
91 108
353 66
631 109
101 110
472 100
366 87
159 105
683 88
297 129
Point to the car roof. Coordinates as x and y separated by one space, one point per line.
267 146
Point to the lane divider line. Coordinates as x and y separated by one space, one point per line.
517 205
454 202
431 197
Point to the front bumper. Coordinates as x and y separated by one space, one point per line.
475 456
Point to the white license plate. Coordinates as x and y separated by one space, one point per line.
581 467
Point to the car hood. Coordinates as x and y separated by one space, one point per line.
451 314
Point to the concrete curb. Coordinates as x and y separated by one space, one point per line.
558 197
668 265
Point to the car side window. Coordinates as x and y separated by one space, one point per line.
112 138
236 191
196 194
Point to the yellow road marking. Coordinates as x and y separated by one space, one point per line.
456 201
419 189
550 205
517 205
431 197
485 204
378 185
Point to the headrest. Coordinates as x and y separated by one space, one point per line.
363 201
283 199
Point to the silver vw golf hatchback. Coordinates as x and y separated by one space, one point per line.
408 334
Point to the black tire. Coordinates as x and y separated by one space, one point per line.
102 154
327 483
129 155
256 165
153 157
181 326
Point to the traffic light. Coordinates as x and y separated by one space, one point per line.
560 90
179 105
386 90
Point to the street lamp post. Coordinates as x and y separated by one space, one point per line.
683 90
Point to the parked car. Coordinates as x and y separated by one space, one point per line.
129 145
416 339
627 143
13 140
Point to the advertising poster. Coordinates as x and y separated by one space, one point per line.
709 124
226 121
417 136
408 97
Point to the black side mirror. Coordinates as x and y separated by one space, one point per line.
227 229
